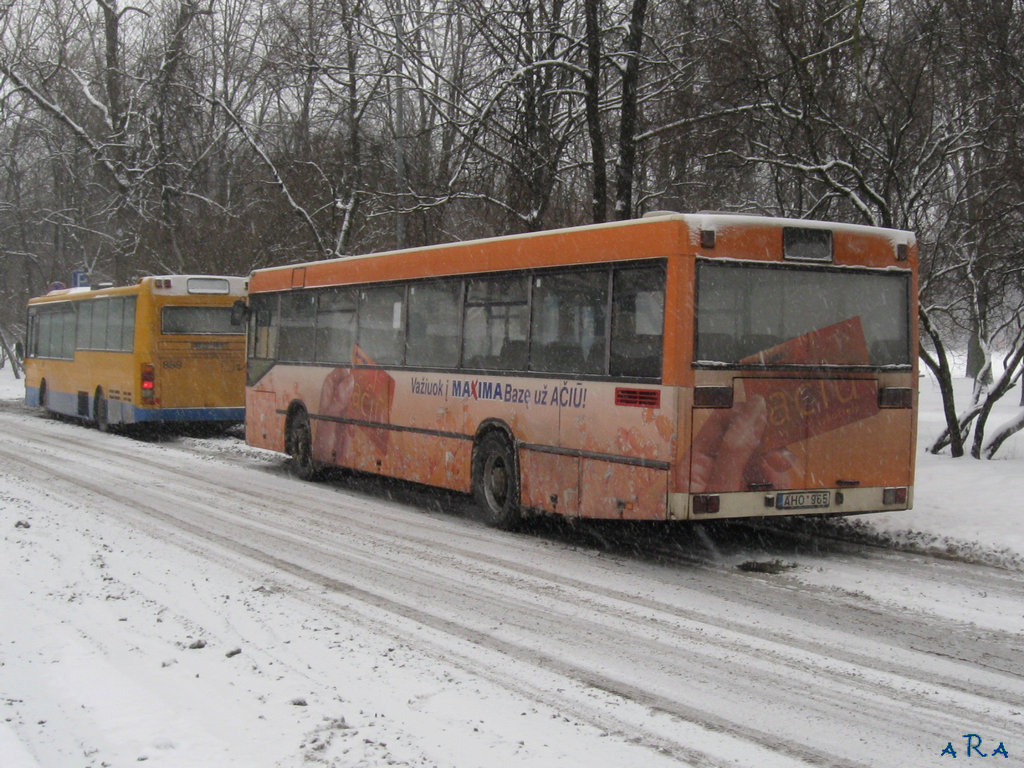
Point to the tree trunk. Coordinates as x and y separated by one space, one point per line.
592 96
16 365
976 359
1000 388
939 364
1006 431
626 169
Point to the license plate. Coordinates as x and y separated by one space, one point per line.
803 500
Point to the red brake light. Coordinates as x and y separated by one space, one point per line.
895 397
894 496
706 505
148 383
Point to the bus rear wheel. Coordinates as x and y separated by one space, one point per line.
299 445
496 481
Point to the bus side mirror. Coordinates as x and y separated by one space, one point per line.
239 313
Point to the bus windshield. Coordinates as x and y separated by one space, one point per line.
779 316
198 321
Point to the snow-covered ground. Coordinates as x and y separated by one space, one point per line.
124 638
963 505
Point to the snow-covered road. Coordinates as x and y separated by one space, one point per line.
187 603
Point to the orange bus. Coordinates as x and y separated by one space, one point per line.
674 367
162 350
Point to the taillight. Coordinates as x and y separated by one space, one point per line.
895 397
706 505
148 383
892 496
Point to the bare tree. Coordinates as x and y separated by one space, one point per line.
222 136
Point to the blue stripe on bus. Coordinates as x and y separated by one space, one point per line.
125 413
188 414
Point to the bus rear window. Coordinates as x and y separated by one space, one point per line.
761 315
197 321
209 285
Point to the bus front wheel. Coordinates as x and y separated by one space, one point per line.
496 481
299 445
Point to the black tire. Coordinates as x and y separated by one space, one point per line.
299 444
496 482
100 412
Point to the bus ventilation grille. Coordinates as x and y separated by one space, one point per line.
641 398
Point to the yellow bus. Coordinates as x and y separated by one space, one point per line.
162 350
680 366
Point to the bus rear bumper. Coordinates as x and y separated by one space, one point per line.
824 501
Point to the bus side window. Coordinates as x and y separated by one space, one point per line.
381 334
336 326
433 338
67 339
128 326
115 327
44 330
32 333
52 331
495 322
298 311
100 318
638 317
568 328
84 324
264 321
